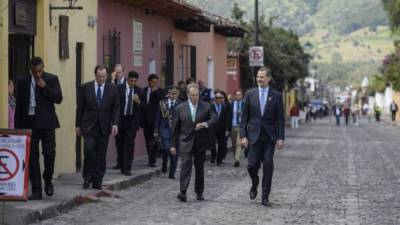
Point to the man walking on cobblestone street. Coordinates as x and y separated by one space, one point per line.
262 127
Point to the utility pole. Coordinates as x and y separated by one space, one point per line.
256 39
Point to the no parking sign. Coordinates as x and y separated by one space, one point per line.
14 164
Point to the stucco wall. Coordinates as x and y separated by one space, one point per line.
4 64
46 46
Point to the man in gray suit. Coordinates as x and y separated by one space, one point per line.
261 129
192 122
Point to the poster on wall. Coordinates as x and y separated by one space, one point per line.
14 163
137 60
137 37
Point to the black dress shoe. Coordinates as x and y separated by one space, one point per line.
265 202
182 196
49 188
171 177
253 189
152 165
86 184
96 186
199 197
117 167
237 164
35 196
127 173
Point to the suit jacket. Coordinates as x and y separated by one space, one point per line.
222 124
273 120
45 115
88 114
183 129
134 120
230 113
164 117
150 108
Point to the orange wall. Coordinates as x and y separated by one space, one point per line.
207 44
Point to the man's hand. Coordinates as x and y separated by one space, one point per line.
226 133
113 76
40 82
136 99
114 130
200 126
78 131
173 151
155 134
154 88
279 144
244 142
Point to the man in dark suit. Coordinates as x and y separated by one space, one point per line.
36 95
262 128
234 120
97 115
163 128
221 130
193 121
117 76
129 122
151 97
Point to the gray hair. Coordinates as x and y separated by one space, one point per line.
190 86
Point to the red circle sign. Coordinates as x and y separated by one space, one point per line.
5 168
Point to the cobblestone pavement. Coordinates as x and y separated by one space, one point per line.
325 175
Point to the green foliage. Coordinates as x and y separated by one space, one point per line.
392 8
377 83
283 53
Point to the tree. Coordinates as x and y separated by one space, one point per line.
283 52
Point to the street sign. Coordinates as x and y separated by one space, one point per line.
256 56
14 164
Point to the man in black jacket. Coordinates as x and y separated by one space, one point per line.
129 122
97 115
262 128
151 97
221 130
36 95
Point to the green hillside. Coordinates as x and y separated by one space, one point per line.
344 32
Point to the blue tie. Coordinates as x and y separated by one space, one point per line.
98 95
262 101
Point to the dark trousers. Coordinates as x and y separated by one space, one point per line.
337 120
346 118
148 131
393 115
48 139
166 154
95 149
262 151
126 148
186 170
220 152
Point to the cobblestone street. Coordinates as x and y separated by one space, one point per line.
324 175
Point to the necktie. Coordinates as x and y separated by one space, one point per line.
262 103
98 95
237 113
129 105
219 109
193 113
148 95
171 104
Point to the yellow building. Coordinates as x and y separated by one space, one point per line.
67 42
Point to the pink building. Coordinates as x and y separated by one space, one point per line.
170 38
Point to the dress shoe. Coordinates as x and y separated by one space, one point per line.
86 184
265 202
35 196
237 164
49 188
96 186
164 169
253 189
182 196
117 167
218 164
152 165
171 177
199 197
127 173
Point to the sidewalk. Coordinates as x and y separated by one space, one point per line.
388 120
69 193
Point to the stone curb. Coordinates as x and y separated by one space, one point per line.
68 204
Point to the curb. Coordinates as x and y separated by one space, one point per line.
107 191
